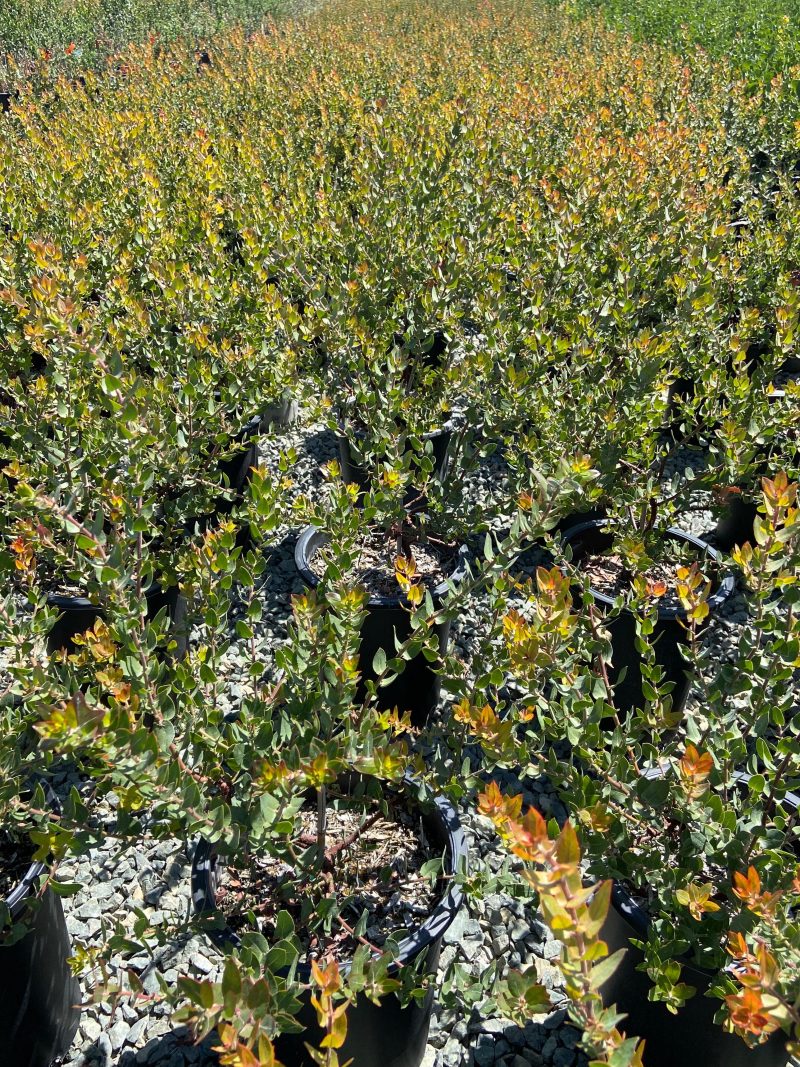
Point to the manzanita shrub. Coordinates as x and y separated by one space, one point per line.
558 242
49 38
759 38
694 814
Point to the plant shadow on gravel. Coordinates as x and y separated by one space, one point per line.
173 1049
537 1045
321 445
282 579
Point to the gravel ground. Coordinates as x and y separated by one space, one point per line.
154 881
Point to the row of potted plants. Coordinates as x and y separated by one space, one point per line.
728 802
453 285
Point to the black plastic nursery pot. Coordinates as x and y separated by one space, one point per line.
282 414
77 614
378 1035
736 521
441 441
691 1036
236 470
669 635
39 997
417 688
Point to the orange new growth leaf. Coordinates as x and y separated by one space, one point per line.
693 592
405 567
747 887
330 1017
749 1014
337 1028
233 1052
525 838
328 980
568 850
737 947
694 769
497 807
779 490
697 898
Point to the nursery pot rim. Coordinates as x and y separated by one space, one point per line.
18 897
313 538
65 602
634 914
454 422
442 915
725 587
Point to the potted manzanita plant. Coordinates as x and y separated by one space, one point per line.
759 435
402 563
138 408
327 864
416 569
626 562
137 466
694 819
414 401
636 591
40 1006
329 861
404 371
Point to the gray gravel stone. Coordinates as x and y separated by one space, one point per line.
493 1026
484 1053
118 1033
549 1048
90 1028
563 1057
555 1020
136 1031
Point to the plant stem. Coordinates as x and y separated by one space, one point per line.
322 823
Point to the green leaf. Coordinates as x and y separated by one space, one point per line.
431 868
598 909
605 968
284 925
64 889
231 985
652 791
757 785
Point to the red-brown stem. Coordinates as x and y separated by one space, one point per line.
361 940
340 846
